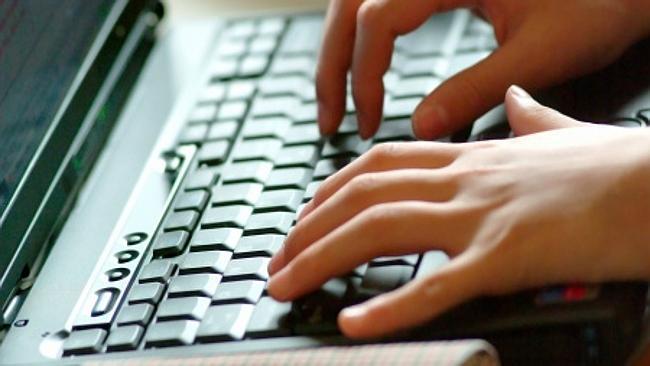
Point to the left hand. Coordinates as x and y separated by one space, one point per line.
569 204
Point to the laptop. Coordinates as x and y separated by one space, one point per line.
147 179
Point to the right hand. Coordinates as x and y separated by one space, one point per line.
542 43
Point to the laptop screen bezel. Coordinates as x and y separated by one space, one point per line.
22 236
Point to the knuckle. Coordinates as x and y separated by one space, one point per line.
364 184
380 215
378 155
370 15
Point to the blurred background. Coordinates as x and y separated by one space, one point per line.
181 11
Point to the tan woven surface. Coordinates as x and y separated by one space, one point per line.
466 352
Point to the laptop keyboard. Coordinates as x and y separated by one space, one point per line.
260 158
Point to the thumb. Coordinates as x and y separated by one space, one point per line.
527 116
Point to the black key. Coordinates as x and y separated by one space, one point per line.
397 130
234 110
124 338
303 135
213 93
205 262
410 260
184 220
260 149
204 284
247 269
203 113
201 179
421 66
300 35
327 167
275 106
139 314
252 171
293 65
224 69
400 108
270 318
146 293
213 152
239 292
271 127
193 200
644 115
173 333
283 200
269 223
158 270
460 62
429 39
306 114
226 216
311 190
253 65
224 130
170 244
301 156
84 342
415 86
215 239
360 271
187 308
239 30
294 85
233 194
271 26
345 146
316 312
297 178
349 125
241 89
225 322
231 48
193 134
431 262
259 246
386 278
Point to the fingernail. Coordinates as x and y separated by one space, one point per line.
430 121
354 312
517 91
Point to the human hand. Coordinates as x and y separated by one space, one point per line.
542 43
566 205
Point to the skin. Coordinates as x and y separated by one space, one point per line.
565 201
559 203
541 43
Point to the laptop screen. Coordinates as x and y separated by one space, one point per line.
42 45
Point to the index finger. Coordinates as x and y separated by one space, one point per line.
334 62
379 22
